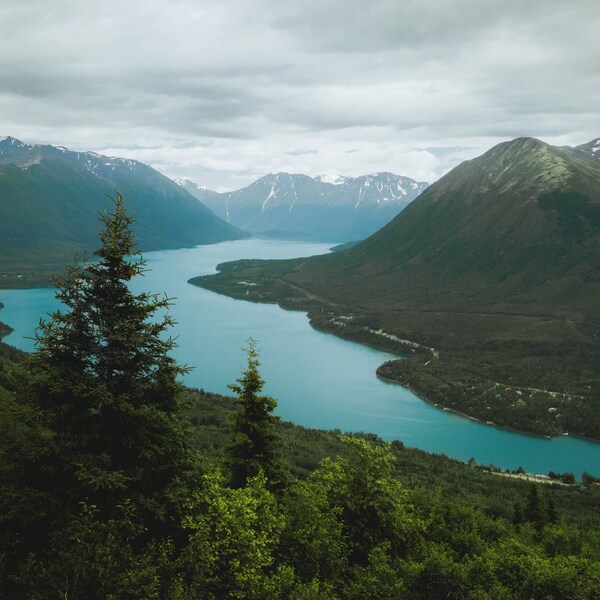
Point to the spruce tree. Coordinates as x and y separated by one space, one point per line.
551 512
105 379
255 447
518 517
87 504
535 510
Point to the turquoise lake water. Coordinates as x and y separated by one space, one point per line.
318 380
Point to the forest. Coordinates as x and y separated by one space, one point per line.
117 482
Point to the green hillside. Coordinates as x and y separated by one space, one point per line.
356 515
50 199
493 274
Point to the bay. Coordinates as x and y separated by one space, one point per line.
319 380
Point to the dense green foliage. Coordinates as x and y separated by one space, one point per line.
115 483
493 271
482 487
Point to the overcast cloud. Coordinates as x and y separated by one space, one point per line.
225 92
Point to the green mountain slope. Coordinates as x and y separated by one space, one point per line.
50 199
496 267
520 225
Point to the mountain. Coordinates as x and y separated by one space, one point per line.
196 190
592 148
333 179
329 208
50 198
518 225
493 273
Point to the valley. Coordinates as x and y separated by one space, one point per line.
488 282
299 301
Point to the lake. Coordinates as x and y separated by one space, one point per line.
318 380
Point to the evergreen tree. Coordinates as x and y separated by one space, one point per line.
551 512
104 394
255 446
106 374
518 517
535 509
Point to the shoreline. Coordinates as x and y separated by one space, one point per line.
458 413
439 406
380 348
434 404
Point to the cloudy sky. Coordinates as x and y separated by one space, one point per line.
225 91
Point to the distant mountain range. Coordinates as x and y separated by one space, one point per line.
329 208
50 198
496 267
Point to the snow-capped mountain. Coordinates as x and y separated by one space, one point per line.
15 152
331 178
332 208
196 190
592 147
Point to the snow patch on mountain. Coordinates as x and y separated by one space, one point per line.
331 178
271 194
185 182
592 148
